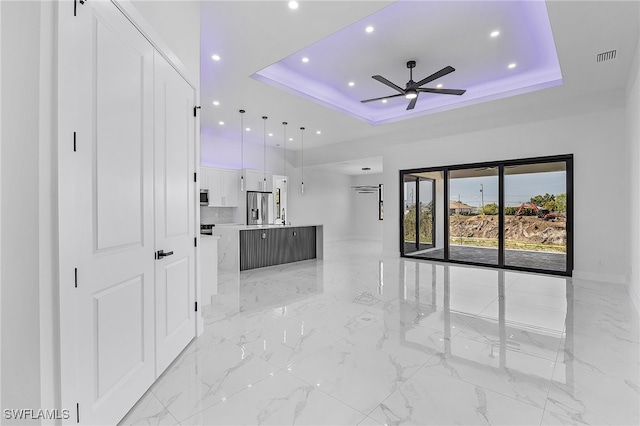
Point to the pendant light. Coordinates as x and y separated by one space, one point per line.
241 150
302 167
264 170
284 151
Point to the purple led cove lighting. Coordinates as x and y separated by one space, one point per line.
434 40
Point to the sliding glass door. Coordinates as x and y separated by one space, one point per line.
418 214
473 215
535 215
514 214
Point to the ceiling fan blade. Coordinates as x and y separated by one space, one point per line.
444 71
412 104
443 91
383 80
384 97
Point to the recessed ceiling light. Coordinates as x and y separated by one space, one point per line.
248 129
439 86
216 103
369 29
221 123
512 65
270 134
305 59
318 132
384 101
351 84
290 139
495 33
293 5
215 57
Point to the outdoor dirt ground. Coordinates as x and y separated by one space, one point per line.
527 229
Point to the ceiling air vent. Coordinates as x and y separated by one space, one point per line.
606 56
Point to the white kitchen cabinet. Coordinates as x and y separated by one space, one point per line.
254 180
223 187
203 178
230 187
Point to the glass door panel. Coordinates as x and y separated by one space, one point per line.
420 214
425 213
473 215
410 236
535 216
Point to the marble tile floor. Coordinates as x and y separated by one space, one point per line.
362 339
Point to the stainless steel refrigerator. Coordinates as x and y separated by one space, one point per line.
259 208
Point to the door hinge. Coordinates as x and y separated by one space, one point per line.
195 110
75 6
196 306
195 177
195 241
74 141
77 412
75 277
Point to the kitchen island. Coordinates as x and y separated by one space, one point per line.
244 247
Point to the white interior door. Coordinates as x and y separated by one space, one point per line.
113 215
175 201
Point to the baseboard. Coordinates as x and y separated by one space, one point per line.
596 276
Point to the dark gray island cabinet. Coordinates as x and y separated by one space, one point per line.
275 246
245 247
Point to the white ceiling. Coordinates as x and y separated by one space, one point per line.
250 36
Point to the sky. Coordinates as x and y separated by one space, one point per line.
518 188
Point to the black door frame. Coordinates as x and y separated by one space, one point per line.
417 180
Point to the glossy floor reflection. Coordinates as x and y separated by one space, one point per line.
360 339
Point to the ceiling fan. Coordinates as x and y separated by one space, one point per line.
413 89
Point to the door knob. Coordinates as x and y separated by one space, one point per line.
161 253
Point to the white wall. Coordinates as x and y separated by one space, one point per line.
21 246
633 163
327 201
47 218
178 25
597 141
1 202
364 219
218 152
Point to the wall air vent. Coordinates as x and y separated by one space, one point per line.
606 56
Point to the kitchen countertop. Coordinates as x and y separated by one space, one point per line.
215 237
250 227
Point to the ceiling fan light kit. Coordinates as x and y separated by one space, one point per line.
413 89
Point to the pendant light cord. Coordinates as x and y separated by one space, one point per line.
264 118
302 152
242 149
284 149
